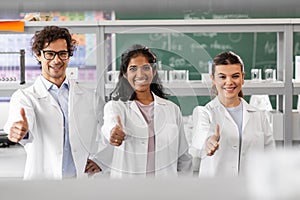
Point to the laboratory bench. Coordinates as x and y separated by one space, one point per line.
12 162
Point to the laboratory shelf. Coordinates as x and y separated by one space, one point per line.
202 88
283 88
7 89
284 28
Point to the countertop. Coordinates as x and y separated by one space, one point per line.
12 162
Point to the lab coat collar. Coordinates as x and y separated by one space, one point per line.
246 106
41 90
246 114
157 101
50 85
247 109
216 104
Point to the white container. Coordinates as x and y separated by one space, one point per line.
269 75
276 120
178 75
163 75
112 76
256 74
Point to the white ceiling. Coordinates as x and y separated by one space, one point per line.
152 6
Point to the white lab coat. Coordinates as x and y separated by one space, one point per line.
257 136
130 159
46 128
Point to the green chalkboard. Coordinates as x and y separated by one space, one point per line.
193 51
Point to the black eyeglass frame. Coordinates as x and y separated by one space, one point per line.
55 53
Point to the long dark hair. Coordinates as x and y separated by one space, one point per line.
123 89
226 58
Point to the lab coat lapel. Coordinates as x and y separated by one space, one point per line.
247 109
136 126
75 95
42 93
160 116
222 113
136 109
157 112
74 88
40 89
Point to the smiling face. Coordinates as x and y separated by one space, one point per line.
140 74
54 70
228 80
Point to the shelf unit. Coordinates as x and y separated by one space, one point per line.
80 27
199 88
284 28
283 88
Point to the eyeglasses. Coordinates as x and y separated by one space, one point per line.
50 55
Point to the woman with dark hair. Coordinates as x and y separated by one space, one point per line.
123 90
228 128
145 129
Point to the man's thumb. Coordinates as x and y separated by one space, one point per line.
119 123
23 114
217 132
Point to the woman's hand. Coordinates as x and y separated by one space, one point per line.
212 143
117 134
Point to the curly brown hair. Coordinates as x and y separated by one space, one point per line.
50 34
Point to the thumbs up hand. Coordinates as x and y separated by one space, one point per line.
117 134
212 143
19 129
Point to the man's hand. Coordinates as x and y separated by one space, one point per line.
19 129
91 167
